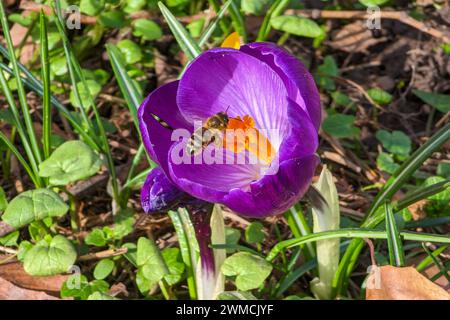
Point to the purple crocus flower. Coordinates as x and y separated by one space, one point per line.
261 82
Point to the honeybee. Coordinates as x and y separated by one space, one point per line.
209 133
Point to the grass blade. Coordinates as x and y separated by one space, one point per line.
238 20
75 72
126 84
46 105
20 90
422 193
188 246
184 39
352 233
18 123
396 254
406 170
34 84
209 31
275 10
21 159
374 215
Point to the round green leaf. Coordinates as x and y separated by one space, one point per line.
436 100
150 260
441 196
371 3
72 161
131 51
147 29
96 238
49 257
250 270
92 7
396 142
113 19
386 163
340 126
103 269
94 89
380 96
296 25
174 262
256 7
33 205
253 233
3 200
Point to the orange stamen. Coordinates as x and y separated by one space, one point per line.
241 135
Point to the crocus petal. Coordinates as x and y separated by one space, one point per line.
298 80
227 79
158 193
211 182
302 139
156 137
274 194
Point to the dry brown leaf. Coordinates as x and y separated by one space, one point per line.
354 37
13 272
392 283
9 291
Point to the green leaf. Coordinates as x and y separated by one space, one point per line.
324 73
254 233
96 238
443 170
113 19
92 7
436 100
441 196
250 270
380 96
3 200
103 269
371 3
72 161
256 7
77 286
150 261
131 254
33 205
174 262
236 295
94 89
340 126
396 142
50 256
24 247
147 29
134 5
130 50
296 25
195 27
101 296
386 163
184 39
232 236
123 223
341 99
58 66
10 240
396 254
24 21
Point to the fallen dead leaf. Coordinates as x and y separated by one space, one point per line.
354 37
392 283
13 272
9 291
